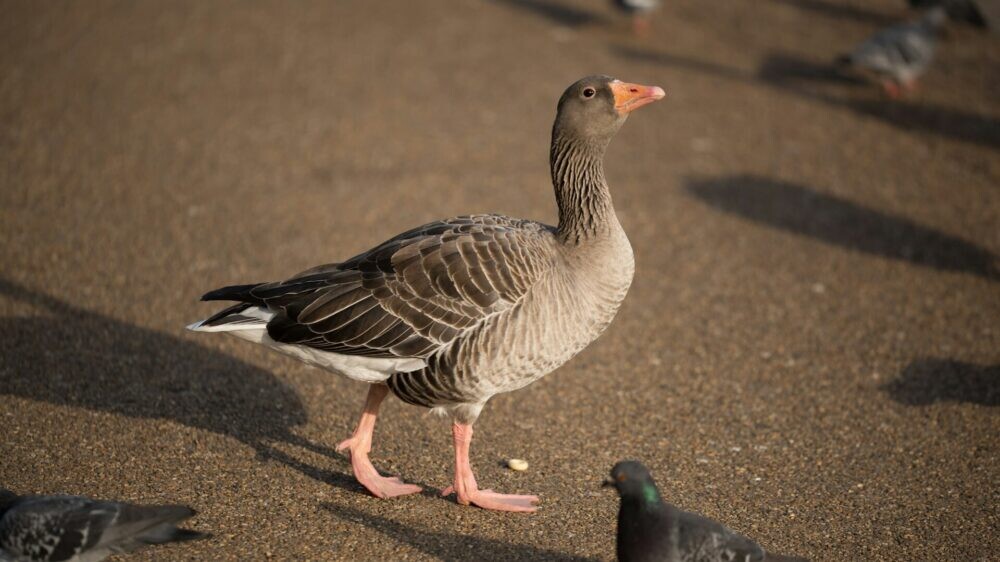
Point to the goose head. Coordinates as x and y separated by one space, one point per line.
594 108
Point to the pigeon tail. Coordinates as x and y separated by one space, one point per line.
169 533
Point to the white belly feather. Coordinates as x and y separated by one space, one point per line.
356 367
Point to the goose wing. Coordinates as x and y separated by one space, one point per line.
411 295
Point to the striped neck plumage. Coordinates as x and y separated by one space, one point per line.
582 194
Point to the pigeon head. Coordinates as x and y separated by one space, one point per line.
633 481
594 108
6 499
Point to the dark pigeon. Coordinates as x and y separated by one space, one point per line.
78 529
651 530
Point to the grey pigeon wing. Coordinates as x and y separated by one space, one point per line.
136 526
53 528
902 51
415 293
60 528
700 539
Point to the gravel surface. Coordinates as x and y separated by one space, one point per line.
810 352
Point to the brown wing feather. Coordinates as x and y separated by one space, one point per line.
415 293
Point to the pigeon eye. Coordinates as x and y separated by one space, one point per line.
589 92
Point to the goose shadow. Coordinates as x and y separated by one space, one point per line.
803 211
930 380
556 13
70 356
448 546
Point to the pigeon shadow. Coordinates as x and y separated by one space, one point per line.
779 69
928 118
841 11
678 61
73 357
447 546
931 380
962 11
840 222
557 13
804 78
812 80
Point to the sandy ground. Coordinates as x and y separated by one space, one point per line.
810 352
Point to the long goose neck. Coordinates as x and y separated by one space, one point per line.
585 207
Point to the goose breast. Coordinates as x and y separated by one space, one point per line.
564 311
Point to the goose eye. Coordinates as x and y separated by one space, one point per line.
589 92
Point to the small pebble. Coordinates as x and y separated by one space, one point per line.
519 465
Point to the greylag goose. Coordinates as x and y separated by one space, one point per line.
454 312
651 530
900 54
50 528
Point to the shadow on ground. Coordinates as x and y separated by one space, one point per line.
555 12
74 357
841 11
781 69
447 546
928 118
825 83
931 380
840 222
681 62
802 77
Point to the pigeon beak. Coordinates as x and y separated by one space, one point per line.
607 483
629 97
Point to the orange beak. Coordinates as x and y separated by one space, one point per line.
629 97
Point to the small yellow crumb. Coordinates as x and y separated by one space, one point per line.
519 465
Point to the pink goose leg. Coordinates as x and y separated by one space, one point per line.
465 482
360 444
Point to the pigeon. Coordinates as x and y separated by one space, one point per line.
651 530
640 10
79 529
900 54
